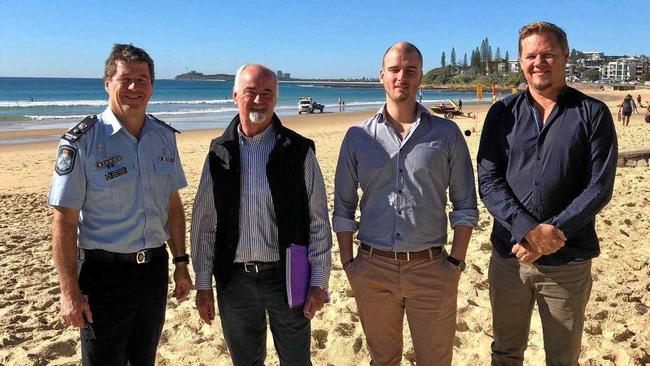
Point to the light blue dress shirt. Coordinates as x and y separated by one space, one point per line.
405 183
120 184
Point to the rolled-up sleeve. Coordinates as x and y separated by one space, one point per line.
462 190
320 234
346 183
203 230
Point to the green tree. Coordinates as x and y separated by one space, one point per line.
442 60
591 75
453 56
475 63
439 75
465 60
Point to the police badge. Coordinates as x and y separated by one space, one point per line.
65 157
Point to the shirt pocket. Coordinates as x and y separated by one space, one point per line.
428 159
111 191
160 179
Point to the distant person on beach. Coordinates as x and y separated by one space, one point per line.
116 203
261 190
625 108
546 167
638 101
405 160
340 104
460 104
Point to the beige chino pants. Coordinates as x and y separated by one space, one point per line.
561 293
426 290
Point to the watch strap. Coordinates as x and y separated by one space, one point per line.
185 258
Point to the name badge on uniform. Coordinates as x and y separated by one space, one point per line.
115 173
65 157
109 162
167 159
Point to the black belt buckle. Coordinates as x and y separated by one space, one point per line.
253 268
143 256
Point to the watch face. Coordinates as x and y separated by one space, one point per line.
461 265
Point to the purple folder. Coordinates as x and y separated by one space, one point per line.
298 274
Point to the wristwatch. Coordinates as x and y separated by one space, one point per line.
457 262
185 258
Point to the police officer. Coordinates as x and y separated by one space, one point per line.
115 198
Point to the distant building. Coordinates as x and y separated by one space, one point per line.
623 69
287 75
513 66
594 56
280 75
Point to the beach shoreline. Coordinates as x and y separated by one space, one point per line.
617 326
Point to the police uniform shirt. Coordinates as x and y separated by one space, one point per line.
120 185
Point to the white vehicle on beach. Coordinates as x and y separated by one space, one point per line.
307 105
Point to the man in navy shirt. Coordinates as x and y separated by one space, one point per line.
546 167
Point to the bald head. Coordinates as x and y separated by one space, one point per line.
259 70
405 48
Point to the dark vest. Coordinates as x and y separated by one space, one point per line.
285 172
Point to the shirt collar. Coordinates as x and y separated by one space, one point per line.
113 125
562 96
420 110
259 139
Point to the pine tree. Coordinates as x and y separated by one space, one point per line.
507 56
476 61
465 60
497 56
453 56
483 51
442 60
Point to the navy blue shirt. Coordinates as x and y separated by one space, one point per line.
561 174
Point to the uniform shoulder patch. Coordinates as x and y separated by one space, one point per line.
163 123
65 157
77 131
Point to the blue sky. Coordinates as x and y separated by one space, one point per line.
305 38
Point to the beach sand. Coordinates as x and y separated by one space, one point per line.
617 328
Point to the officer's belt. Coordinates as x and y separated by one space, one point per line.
141 257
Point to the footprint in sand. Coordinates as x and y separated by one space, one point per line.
320 336
344 329
358 343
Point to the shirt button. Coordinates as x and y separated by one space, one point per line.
400 170
538 157
400 191
536 183
397 234
399 212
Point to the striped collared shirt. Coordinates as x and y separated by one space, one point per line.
258 231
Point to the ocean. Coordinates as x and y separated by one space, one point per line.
37 103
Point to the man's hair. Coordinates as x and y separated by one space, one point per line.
408 47
126 53
544 27
266 69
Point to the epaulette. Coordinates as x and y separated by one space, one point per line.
77 131
163 123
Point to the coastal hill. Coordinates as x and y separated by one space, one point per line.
193 75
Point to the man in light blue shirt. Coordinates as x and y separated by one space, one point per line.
405 160
116 202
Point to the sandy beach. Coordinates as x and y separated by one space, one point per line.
617 328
